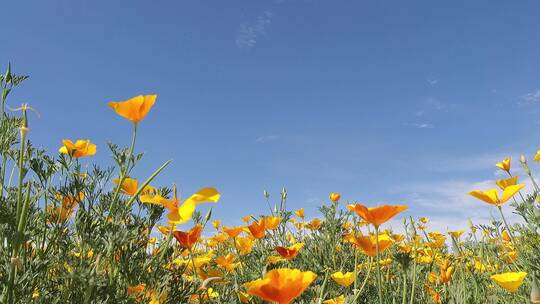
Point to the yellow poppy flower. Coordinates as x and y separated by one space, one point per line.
244 297
504 183
456 234
182 213
334 197
244 245
247 218
273 259
537 156
336 300
343 279
505 164
281 285
491 196
424 220
272 222
300 213
134 109
78 149
510 281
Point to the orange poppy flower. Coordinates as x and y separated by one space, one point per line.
58 214
233 231
368 244
300 213
131 185
227 262
290 252
281 285
77 149
314 224
377 215
257 229
136 289
189 238
134 109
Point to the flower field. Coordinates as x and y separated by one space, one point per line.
74 232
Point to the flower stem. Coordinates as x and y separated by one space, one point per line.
379 281
507 227
124 171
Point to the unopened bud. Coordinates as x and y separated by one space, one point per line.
7 75
266 194
208 215
523 161
535 292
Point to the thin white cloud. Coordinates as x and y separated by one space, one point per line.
449 206
529 98
249 34
418 125
267 138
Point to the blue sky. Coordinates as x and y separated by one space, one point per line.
384 101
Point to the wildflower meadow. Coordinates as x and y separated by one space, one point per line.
75 232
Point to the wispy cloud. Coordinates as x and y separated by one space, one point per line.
432 81
529 98
418 125
432 105
449 206
267 138
249 34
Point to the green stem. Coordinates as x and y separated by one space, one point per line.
413 281
147 181
20 206
404 294
379 280
321 295
507 227
355 271
124 171
365 281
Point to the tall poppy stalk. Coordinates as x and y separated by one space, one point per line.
125 169
379 280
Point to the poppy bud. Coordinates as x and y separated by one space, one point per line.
535 292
